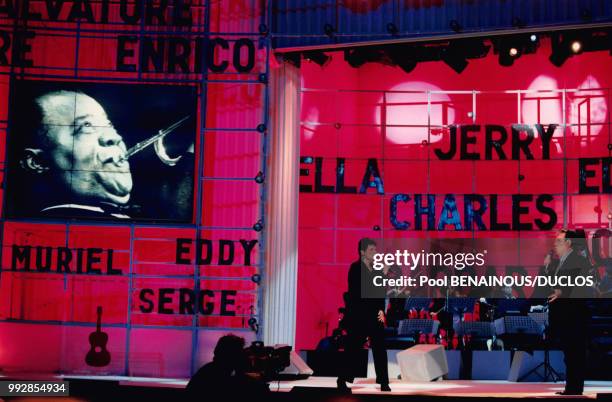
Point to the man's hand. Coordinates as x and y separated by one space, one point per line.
556 294
381 316
547 259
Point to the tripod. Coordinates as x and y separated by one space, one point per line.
550 374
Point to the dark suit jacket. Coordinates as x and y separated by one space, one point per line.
361 308
569 312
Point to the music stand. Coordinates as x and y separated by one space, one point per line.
479 329
517 325
417 326
549 372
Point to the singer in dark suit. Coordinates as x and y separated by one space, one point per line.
365 317
568 312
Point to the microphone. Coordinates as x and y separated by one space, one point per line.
482 300
550 254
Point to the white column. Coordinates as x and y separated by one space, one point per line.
281 264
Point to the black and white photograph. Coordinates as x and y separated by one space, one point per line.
122 152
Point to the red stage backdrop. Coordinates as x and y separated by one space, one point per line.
379 146
172 268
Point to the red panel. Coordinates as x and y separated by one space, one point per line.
234 105
321 139
542 177
359 141
86 293
405 177
160 353
319 301
496 177
321 251
317 210
232 154
230 203
27 352
451 177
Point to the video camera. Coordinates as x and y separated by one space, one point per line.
267 361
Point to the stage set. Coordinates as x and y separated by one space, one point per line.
174 172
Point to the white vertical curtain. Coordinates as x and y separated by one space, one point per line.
281 259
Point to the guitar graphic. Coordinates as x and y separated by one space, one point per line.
98 356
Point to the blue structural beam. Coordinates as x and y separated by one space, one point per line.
333 23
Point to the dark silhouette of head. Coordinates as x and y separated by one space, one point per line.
229 351
364 244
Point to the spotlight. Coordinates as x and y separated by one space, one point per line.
253 324
533 38
355 57
586 15
258 226
518 23
293 58
559 53
317 57
260 178
358 57
455 26
453 56
509 49
576 46
403 57
473 48
392 28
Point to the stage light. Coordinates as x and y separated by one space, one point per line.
455 26
260 178
454 57
258 226
402 56
354 57
317 57
533 38
509 49
253 324
567 44
518 23
293 58
576 46
359 56
392 28
256 278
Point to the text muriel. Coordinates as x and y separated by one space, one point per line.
63 259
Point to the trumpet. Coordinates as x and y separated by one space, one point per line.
157 141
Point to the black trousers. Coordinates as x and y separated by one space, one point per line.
569 325
356 337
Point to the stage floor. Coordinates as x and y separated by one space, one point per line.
363 386
454 388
